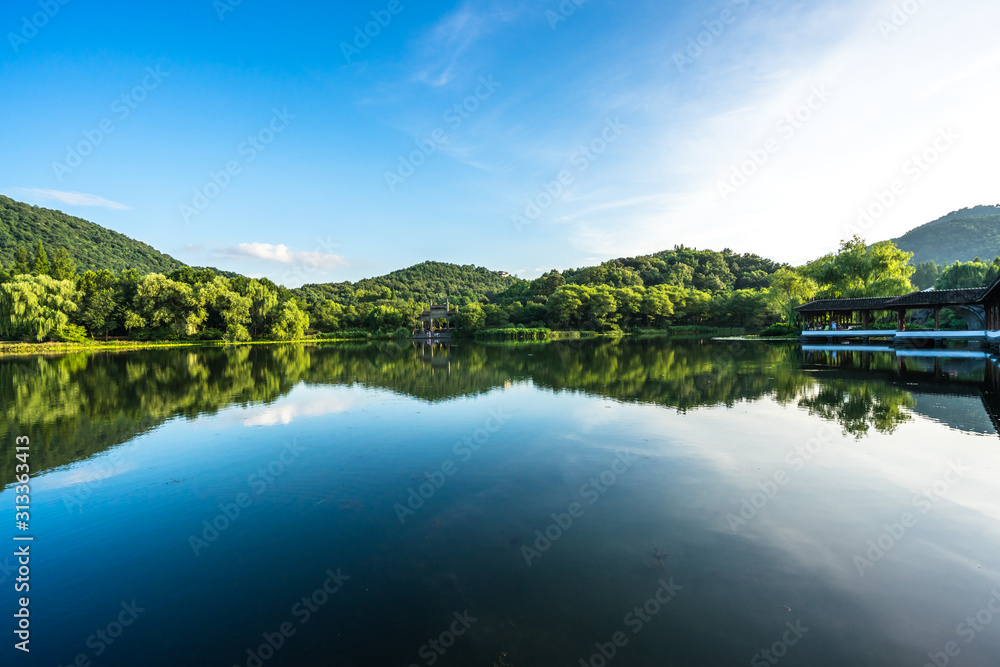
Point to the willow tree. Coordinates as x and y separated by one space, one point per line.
789 289
163 302
35 307
861 270
290 323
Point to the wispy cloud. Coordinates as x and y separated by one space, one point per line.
282 254
71 198
890 98
455 33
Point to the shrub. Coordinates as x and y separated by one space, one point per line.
70 333
236 333
781 329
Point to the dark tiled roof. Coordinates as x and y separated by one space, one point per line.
925 299
991 290
944 297
825 305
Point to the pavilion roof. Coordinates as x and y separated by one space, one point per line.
942 297
924 299
991 289
847 305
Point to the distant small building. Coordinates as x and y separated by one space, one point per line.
503 274
436 320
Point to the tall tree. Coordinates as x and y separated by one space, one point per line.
63 267
41 265
22 261
925 275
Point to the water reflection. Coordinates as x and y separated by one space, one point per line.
759 475
80 404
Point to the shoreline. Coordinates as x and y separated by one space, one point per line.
23 348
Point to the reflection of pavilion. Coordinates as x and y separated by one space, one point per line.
435 354
436 322
937 379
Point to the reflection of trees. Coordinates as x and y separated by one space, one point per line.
74 406
859 407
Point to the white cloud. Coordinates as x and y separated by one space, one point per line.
282 254
71 198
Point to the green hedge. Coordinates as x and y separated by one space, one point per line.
513 333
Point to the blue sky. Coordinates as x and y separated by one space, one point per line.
278 139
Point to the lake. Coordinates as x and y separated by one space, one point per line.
600 502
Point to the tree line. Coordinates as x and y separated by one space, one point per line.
46 298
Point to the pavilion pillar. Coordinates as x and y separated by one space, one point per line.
937 319
901 320
865 317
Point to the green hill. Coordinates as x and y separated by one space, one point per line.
957 237
91 246
425 282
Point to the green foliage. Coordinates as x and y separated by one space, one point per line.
227 308
976 273
746 308
925 275
290 323
90 246
860 270
236 333
470 319
789 289
781 329
514 333
382 317
168 304
263 304
22 260
97 312
41 265
70 333
34 307
63 267
957 237
326 315
424 283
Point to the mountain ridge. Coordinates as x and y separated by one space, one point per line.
959 236
91 246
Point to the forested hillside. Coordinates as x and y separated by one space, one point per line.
423 283
90 246
961 236
674 287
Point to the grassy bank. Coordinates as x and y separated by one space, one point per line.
507 334
20 349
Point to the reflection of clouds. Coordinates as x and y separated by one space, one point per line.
287 410
748 443
92 472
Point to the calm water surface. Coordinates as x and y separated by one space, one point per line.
620 503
